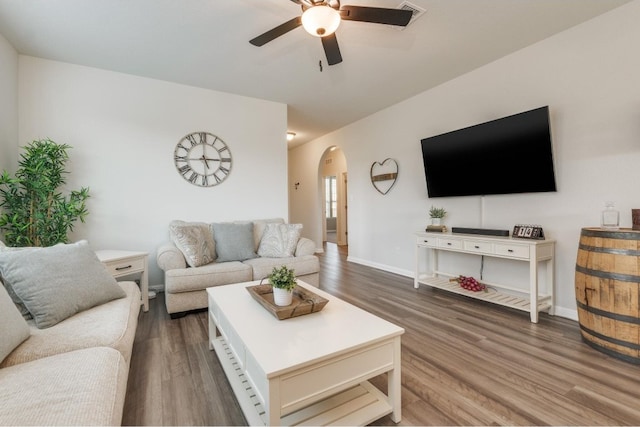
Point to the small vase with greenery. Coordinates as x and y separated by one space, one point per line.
436 215
283 281
33 211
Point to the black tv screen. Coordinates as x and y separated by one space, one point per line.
508 155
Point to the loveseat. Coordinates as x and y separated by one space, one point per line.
201 255
69 363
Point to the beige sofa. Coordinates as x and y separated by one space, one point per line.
71 373
185 284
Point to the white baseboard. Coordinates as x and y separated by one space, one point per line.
157 288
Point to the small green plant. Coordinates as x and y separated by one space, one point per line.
283 278
437 212
34 212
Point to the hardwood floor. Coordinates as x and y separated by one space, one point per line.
464 362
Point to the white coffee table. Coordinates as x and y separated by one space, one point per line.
312 369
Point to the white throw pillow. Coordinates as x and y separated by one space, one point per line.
194 240
279 240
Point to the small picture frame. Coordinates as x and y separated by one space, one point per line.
528 231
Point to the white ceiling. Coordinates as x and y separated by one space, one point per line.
205 43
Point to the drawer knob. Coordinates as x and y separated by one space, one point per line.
124 268
449 243
509 250
477 247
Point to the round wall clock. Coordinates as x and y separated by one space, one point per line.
202 159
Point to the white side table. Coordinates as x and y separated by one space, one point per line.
123 263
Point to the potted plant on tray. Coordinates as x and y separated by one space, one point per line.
436 215
283 281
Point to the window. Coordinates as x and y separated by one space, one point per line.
330 197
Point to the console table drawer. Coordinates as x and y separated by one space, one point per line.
430 242
515 251
480 247
450 243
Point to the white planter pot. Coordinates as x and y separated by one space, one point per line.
282 297
436 221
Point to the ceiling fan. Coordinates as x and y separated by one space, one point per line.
321 18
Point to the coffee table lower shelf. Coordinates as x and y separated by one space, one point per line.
358 405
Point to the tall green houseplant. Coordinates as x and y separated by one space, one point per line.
32 210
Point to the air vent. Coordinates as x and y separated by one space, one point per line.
415 10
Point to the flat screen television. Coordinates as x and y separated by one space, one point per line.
512 154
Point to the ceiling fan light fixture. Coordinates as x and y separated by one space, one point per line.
321 20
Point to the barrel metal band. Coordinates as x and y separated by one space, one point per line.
629 252
608 314
612 353
611 234
608 275
616 341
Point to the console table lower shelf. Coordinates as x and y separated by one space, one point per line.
501 298
359 405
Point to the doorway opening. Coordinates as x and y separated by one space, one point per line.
333 183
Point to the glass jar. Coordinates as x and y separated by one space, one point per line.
610 217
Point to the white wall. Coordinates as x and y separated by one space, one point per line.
590 78
123 130
8 106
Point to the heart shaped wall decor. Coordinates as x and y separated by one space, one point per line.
384 175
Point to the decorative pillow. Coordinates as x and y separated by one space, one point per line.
13 328
279 240
259 225
234 241
16 300
58 281
194 241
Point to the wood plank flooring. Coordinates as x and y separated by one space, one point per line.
464 362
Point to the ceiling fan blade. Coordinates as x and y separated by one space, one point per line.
377 15
331 49
276 32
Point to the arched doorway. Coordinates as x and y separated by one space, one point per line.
333 188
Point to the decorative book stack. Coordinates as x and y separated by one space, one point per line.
436 228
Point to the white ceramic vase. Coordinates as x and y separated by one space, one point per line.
436 221
282 297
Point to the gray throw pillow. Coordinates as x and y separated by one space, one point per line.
279 240
194 240
234 241
59 281
13 328
16 300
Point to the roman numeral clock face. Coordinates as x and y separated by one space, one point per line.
202 159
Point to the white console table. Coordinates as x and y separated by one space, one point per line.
532 251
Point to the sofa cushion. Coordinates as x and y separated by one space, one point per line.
82 388
194 240
214 274
234 241
58 281
13 328
279 240
303 265
112 324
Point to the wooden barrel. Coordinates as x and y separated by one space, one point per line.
607 291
